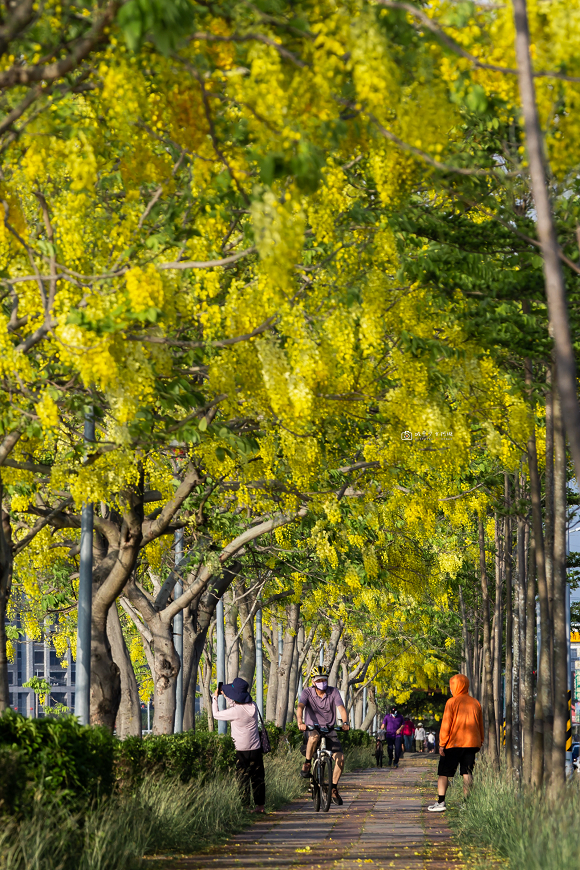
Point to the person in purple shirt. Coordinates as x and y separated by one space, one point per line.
393 725
319 705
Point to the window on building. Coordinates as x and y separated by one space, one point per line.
54 659
11 681
39 657
58 678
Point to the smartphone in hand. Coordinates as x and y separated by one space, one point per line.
219 689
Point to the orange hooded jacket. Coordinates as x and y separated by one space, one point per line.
462 720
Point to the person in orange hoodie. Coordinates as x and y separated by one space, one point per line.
460 739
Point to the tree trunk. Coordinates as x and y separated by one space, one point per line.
166 662
371 709
467 657
295 674
518 633
507 545
109 579
489 712
247 605
544 717
202 610
272 683
476 660
189 691
128 722
6 562
558 780
141 626
285 666
206 674
338 659
549 506
553 275
498 637
358 709
528 687
344 683
166 670
105 691
232 640
333 643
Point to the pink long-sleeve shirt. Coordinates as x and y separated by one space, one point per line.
244 722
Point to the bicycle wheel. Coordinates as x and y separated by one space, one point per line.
315 787
325 780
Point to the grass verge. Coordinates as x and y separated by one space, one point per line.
161 816
501 822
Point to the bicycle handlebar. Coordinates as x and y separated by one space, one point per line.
324 729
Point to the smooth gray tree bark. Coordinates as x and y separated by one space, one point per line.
128 721
488 712
553 275
558 780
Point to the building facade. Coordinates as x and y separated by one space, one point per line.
39 659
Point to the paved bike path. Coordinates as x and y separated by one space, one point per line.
383 823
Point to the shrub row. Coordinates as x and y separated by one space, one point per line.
184 756
81 763
52 756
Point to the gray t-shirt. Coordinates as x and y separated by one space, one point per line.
320 711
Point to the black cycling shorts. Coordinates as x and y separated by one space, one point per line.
455 757
333 744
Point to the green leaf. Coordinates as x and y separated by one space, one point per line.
476 99
164 22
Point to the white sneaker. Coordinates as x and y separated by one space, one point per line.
437 808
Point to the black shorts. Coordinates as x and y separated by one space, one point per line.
333 744
455 757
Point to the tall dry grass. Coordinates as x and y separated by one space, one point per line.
520 825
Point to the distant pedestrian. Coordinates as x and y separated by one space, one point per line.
380 747
430 741
420 737
242 713
408 734
393 725
460 739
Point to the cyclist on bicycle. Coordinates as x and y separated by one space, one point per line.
319 705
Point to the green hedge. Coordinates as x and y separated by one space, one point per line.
55 756
185 756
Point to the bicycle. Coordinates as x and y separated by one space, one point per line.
321 771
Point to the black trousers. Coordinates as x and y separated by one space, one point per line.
394 743
250 768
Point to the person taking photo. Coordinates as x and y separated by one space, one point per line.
242 714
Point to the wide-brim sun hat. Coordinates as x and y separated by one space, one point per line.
237 691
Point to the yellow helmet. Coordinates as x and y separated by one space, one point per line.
320 672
